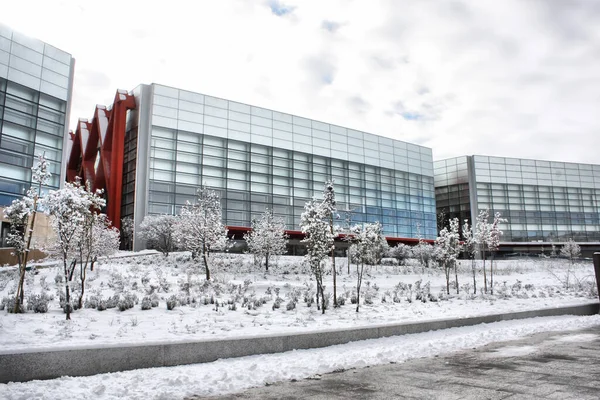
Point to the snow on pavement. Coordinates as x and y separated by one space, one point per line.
238 374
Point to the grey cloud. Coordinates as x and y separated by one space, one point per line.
358 104
330 26
321 69
388 63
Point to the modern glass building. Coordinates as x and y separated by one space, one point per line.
36 82
257 158
544 201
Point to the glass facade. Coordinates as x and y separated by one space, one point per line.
543 200
35 84
258 158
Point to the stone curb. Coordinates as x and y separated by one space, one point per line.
26 366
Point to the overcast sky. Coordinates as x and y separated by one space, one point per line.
506 78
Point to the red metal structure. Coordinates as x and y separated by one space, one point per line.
97 152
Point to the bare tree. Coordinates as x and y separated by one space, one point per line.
367 243
471 247
493 243
318 240
448 248
267 237
158 231
21 215
69 209
201 228
571 250
481 235
127 232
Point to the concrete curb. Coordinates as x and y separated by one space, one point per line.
26 366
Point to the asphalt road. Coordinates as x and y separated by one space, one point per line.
553 365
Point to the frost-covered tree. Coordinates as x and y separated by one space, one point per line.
69 209
348 214
21 215
422 251
158 231
493 243
267 237
200 229
107 239
366 246
448 248
571 250
127 227
401 252
329 207
318 240
471 247
481 235
96 238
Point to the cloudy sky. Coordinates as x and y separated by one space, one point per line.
507 78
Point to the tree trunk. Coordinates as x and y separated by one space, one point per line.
335 304
447 270
348 259
484 273
67 288
492 274
322 298
205 258
359 273
318 303
267 262
456 277
474 280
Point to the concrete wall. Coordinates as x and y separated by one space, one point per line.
21 367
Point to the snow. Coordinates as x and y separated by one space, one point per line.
237 374
512 351
520 285
584 337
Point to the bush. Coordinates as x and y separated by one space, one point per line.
171 302
8 303
101 306
38 303
127 301
146 303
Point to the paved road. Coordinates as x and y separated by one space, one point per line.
555 365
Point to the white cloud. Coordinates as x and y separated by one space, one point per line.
508 78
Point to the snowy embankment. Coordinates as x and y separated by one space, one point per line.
234 375
244 301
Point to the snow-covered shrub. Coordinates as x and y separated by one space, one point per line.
101 306
43 283
146 303
8 303
38 303
113 301
422 291
116 282
154 300
391 262
183 299
127 301
277 303
171 302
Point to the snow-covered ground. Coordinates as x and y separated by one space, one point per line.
242 300
237 374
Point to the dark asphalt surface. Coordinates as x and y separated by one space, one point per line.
553 365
